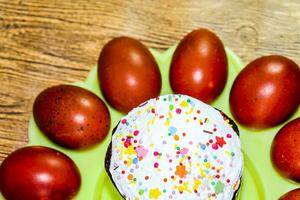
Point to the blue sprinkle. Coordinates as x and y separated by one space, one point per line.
191 103
172 130
203 146
135 160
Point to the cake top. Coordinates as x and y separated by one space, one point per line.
176 147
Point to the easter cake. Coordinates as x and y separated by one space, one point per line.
175 147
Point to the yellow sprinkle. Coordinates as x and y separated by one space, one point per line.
167 123
207 165
153 120
202 173
149 108
170 115
129 162
154 193
130 135
180 188
184 104
151 145
182 159
190 111
120 135
130 150
197 183
121 153
187 120
186 188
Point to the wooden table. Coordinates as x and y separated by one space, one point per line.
45 43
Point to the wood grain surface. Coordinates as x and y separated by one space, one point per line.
48 42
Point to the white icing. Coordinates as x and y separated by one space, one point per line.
154 136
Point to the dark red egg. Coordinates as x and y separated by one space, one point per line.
35 173
266 92
71 116
199 66
285 151
128 73
292 195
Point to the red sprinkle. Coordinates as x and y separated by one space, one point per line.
156 165
135 133
178 110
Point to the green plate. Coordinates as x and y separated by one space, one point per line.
260 181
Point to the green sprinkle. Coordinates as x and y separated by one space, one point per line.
188 100
219 187
141 192
213 183
178 148
164 191
171 107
